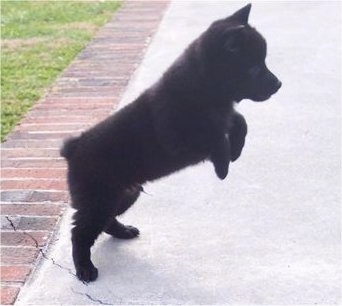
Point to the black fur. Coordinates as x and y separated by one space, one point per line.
185 118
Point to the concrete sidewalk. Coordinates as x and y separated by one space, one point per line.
270 233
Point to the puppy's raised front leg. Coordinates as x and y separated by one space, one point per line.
237 135
221 157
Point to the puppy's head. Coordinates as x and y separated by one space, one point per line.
235 58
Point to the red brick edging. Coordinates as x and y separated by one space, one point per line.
33 187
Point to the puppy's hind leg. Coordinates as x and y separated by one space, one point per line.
94 208
114 227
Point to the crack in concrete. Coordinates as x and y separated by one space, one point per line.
46 257
11 223
90 297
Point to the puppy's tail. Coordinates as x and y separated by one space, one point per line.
68 147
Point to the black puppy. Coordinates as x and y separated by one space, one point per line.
185 118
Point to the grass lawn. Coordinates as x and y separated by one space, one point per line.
38 40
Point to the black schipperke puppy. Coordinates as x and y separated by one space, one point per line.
185 118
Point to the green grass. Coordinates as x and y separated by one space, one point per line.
38 40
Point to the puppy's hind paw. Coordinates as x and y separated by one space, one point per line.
87 273
121 231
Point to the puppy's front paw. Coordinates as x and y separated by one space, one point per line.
237 136
236 149
221 171
87 273
221 157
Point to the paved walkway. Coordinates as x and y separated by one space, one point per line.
33 175
270 234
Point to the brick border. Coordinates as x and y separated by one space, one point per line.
33 187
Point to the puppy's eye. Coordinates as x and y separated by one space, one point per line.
254 71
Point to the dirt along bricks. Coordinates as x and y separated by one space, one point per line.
33 186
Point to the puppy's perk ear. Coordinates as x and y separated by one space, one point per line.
232 43
242 14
